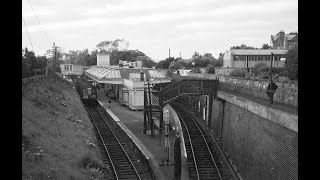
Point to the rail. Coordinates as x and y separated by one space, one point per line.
206 165
121 164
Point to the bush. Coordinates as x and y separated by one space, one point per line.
210 69
238 73
262 70
257 68
292 63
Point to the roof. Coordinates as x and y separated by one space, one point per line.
257 51
116 74
288 36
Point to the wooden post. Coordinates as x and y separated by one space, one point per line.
150 111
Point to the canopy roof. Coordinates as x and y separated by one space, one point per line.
115 75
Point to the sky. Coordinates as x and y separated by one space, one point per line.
155 26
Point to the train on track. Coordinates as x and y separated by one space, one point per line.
87 92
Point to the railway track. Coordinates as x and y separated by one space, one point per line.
204 160
121 160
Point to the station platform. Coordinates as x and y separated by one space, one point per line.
132 122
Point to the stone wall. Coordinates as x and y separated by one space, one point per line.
287 93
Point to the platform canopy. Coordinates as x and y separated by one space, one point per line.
116 75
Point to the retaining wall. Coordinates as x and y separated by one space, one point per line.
262 142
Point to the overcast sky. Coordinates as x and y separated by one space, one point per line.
154 26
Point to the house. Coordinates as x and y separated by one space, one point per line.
247 58
123 82
284 41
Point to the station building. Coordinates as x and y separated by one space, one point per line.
72 69
247 58
123 82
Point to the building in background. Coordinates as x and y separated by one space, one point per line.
73 69
284 41
123 82
247 58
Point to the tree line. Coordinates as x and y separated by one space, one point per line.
118 50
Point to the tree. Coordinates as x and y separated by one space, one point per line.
93 57
126 55
164 64
291 64
146 61
196 54
265 46
243 46
110 46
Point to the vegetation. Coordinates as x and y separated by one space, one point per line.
210 69
57 137
238 73
265 46
196 61
292 63
243 46
32 65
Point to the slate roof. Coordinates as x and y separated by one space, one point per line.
288 36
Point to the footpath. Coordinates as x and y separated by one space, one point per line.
133 120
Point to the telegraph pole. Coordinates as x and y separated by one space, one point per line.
271 67
169 60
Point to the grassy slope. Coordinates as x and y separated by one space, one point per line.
43 115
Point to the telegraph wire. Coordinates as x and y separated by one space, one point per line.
39 21
28 33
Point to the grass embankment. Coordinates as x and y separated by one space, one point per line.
58 141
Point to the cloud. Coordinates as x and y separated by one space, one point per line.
150 25
160 17
91 22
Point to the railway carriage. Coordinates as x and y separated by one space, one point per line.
87 92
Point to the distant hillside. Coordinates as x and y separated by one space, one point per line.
57 137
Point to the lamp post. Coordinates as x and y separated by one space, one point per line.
272 87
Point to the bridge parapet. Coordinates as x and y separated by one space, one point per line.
191 87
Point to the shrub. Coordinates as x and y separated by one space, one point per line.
257 68
292 63
238 73
210 69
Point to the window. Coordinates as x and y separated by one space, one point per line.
66 67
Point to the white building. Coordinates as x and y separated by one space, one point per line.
246 58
